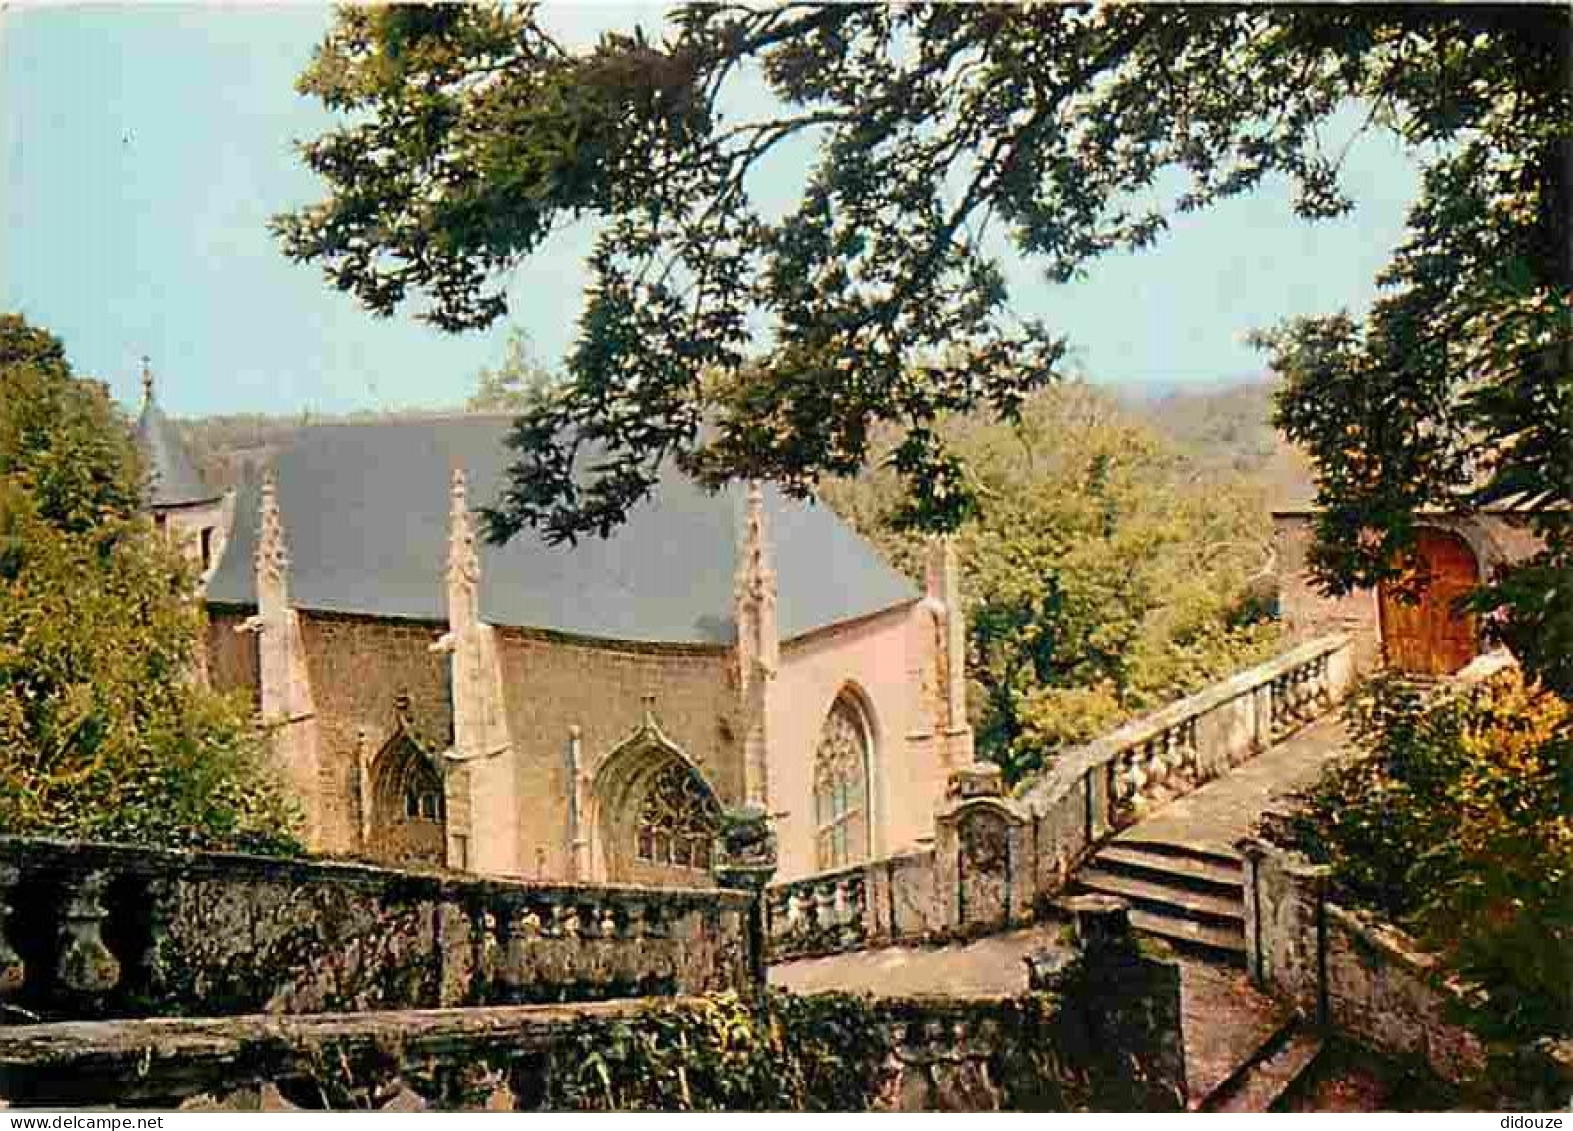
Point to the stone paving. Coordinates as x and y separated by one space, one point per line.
987 967
1222 811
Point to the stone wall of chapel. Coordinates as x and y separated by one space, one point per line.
551 685
358 666
184 526
889 659
232 658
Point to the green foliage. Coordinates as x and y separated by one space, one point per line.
1456 392
62 443
467 135
1106 575
518 382
1458 824
103 732
821 1053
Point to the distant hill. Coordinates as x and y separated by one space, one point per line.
1222 427
1217 426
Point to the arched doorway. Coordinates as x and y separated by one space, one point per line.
408 809
1422 631
842 828
656 818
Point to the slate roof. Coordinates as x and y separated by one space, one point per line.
365 510
174 478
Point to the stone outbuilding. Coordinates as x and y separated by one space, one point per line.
1412 625
581 712
183 505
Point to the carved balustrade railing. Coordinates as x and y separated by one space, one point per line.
1054 822
1114 780
91 930
819 914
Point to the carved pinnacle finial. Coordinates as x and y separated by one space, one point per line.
755 579
272 559
147 379
464 562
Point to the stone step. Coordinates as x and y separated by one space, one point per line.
1226 943
1267 1077
1222 857
1201 872
1165 897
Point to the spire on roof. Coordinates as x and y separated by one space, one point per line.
272 555
175 478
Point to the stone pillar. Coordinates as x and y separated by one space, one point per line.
982 880
746 860
758 646
943 593
578 843
484 827
288 711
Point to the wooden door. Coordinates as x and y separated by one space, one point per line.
1421 630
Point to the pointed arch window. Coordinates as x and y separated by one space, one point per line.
841 763
409 813
678 819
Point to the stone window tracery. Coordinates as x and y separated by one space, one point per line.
409 814
841 764
678 819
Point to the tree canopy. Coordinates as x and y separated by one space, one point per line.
741 341
1106 574
104 731
519 381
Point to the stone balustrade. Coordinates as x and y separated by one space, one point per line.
95 931
820 914
1095 789
999 860
1101 1031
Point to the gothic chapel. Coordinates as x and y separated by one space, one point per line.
567 713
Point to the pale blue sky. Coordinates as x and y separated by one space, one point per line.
142 150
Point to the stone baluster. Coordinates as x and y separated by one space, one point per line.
637 920
565 921
607 926
13 971
841 906
160 896
1123 777
86 965
1163 767
854 925
797 911
518 969
1139 776
824 907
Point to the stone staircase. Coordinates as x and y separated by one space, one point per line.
1190 897
1263 1082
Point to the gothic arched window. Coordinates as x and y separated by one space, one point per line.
678 819
408 811
841 764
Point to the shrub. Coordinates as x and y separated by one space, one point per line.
1457 823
